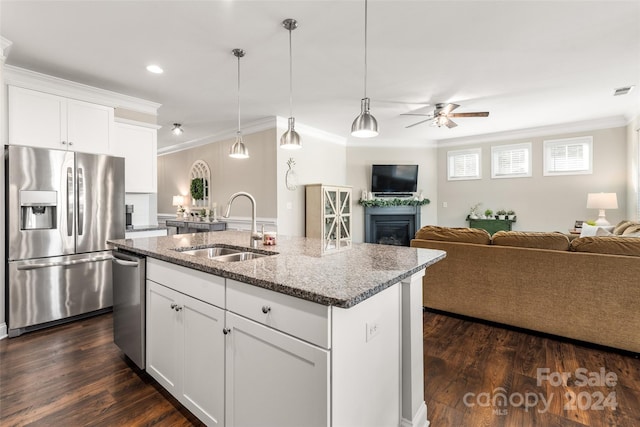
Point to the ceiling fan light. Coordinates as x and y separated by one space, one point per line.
177 129
238 149
365 125
291 139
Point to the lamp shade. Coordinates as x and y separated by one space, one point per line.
178 201
365 125
291 139
238 150
602 201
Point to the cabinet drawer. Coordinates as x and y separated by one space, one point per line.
303 319
203 286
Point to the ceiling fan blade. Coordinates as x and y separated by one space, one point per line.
418 123
478 114
450 124
449 108
416 114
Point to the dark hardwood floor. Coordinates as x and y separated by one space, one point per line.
73 375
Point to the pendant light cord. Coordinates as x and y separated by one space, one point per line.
365 48
290 76
238 94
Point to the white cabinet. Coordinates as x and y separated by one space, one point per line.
39 119
274 379
328 215
185 340
138 145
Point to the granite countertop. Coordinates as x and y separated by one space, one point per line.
299 267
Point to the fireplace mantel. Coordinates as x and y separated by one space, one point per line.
407 217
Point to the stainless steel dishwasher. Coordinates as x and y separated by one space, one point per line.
129 273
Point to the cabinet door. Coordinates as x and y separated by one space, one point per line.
202 390
344 229
36 119
163 336
273 379
331 206
89 127
138 145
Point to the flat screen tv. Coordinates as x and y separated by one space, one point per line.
394 178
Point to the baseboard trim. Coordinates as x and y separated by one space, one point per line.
3 330
419 419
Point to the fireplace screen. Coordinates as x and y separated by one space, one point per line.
396 230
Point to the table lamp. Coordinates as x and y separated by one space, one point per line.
602 201
178 201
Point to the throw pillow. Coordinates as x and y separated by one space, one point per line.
622 226
632 229
602 232
591 230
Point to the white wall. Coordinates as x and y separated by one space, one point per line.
633 169
4 134
542 203
322 159
145 208
359 161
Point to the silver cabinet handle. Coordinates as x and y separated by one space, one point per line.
126 263
266 309
226 331
63 263
70 143
64 142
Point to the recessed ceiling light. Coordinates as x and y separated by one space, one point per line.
155 69
622 90
177 129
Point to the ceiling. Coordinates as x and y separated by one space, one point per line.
529 63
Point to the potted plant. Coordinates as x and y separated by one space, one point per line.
502 214
197 190
473 212
511 215
489 214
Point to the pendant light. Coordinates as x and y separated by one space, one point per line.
290 139
238 149
365 125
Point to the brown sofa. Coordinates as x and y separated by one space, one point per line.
587 289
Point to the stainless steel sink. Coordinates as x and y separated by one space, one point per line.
223 254
211 252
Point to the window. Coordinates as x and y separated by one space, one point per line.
463 164
571 156
511 161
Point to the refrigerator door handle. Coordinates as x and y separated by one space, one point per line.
63 263
81 201
69 202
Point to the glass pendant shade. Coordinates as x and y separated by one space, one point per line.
365 125
238 149
291 139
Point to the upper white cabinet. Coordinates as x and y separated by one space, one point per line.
39 119
138 145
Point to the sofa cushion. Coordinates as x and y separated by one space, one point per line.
612 245
553 241
623 225
453 234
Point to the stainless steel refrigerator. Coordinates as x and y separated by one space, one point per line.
61 208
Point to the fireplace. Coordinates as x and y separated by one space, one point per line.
393 225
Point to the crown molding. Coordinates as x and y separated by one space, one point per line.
5 44
136 123
28 79
224 135
582 126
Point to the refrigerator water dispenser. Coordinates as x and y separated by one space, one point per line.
38 210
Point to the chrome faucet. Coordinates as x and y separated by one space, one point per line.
255 236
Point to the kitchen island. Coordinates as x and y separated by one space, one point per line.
303 336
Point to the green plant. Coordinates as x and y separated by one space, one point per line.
380 203
501 212
197 188
488 212
511 212
474 209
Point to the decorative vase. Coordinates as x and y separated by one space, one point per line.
511 217
502 217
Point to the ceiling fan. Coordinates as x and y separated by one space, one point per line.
441 116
